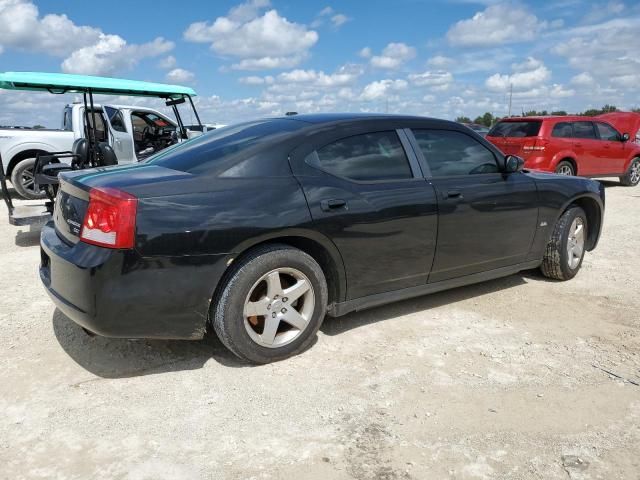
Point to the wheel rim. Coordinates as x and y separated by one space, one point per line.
635 172
28 180
575 243
279 307
564 170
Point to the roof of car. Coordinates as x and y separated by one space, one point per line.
63 83
347 117
566 118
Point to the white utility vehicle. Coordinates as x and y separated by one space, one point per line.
134 133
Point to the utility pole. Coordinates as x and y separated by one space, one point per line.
510 98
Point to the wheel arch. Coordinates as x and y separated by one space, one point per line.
565 157
22 155
594 210
319 247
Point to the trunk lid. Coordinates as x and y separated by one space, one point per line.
139 180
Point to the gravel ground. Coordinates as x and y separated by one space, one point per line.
506 379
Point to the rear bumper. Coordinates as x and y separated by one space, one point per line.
117 293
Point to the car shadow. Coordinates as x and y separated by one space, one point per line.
28 238
610 183
339 325
124 358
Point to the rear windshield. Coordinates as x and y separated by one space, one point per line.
201 154
528 128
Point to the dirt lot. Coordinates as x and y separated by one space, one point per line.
499 380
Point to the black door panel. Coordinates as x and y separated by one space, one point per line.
386 232
490 224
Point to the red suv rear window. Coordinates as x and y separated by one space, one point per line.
524 128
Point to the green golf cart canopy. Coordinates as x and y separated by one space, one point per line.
66 83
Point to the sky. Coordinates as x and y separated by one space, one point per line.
441 58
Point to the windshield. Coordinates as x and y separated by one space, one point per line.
523 128
202 153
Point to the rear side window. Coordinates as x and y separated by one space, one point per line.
524 128
66 119
584 130
205 152
607 132
453 153
365 158
562 130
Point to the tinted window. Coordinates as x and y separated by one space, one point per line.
583 130
454 153
116 119
562 130
517 128
368 157
607 132
203 153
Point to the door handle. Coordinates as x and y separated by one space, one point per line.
452 194
333 204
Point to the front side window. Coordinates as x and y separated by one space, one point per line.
562 130
607 132
369 157
116 119
584 130
453 153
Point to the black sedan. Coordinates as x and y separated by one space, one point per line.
259 230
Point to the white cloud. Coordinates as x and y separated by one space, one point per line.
24 29
365 52
606 51
261 40
530 73
393 56
180 75
88 49
382 88
168 62
111 53
339 20
583 79
431 78
255 80
496 25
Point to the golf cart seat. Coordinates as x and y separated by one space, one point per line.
106 155
48 166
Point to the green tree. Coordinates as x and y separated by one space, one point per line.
559 112
487 119
38 126
463 119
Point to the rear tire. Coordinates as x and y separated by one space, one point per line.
565 168
22 179
271 304
565 251
632 176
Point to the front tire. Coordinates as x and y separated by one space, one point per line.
632 176
271 304
23 180
565 251
565 168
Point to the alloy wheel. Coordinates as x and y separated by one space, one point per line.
28 180
564 170
635 172
279 307
575 242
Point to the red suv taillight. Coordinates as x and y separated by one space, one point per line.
110 220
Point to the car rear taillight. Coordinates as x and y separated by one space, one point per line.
535 146
110 220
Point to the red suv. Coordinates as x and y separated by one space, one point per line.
570 145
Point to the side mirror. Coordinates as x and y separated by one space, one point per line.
513 163
624 137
